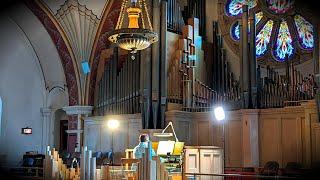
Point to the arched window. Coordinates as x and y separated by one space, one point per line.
283 30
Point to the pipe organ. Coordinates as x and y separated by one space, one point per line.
275 90
196 9
119 87
121 84
174 17
183 86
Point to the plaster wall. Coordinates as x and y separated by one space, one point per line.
31 78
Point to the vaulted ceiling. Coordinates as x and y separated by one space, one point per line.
95 5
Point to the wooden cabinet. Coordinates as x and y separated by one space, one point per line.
200 160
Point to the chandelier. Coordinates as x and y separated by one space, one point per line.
133 38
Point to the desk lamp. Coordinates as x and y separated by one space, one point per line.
163 134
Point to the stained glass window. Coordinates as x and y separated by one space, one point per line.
234 7
258 17
305 31
235 29
283 47
280 6
263 38
287 35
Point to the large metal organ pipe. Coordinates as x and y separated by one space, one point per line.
118 88
245 88
253 61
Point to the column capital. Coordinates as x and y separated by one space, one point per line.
75 110
45 111
74 131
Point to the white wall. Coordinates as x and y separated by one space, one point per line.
29 63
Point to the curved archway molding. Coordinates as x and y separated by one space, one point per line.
107 24
63 47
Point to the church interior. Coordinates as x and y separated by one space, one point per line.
159 89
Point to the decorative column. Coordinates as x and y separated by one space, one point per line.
47 126
75 114
245 60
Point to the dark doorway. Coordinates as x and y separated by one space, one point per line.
63 134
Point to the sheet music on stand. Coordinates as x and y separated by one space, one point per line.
169 147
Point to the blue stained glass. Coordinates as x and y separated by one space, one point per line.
263 38
234 7
305 31
283 47
235 31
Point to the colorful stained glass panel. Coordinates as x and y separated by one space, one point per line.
258 17
235 31
263 38
283 47
234 7
280 6
305 31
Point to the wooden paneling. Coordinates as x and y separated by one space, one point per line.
204 133
269 132
184 131
192 164
291 141
234 144
315 142
283 134
97 136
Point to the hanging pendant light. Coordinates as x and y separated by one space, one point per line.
133 38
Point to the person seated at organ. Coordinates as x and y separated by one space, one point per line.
139 150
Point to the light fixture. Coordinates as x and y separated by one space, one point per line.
163 134
113 124
134 38
219 113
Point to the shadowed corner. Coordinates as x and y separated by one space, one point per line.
311 5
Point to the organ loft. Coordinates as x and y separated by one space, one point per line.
159 89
